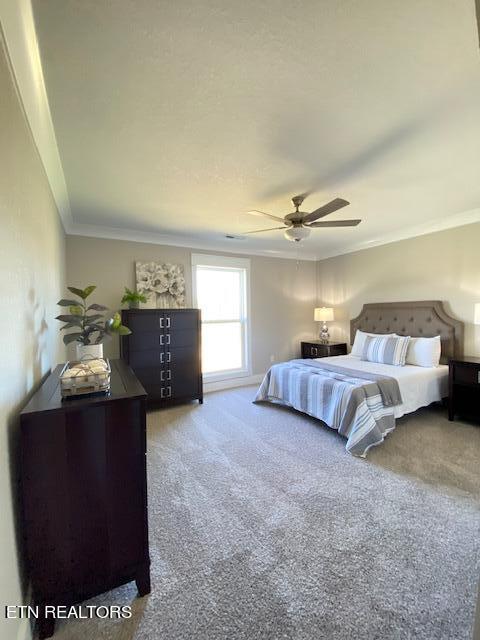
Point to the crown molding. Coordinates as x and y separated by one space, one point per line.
222 245
458 220
18 27
129 235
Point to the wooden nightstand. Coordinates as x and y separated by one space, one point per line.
319 349
464 387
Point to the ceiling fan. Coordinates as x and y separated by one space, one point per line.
298 224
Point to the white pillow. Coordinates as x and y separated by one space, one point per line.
424 352
359 342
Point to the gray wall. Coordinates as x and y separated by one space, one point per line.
438 266
282 291
32 265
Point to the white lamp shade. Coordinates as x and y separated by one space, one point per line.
476 313
323 314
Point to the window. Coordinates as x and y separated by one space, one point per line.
221 291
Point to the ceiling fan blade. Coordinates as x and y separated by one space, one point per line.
335 223
321 212
254 212
262 230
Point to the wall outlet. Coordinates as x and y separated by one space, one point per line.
272 358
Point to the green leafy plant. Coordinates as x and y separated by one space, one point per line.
132 297
90 323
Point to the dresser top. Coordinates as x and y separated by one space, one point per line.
325 344
172 311
465 360
123 385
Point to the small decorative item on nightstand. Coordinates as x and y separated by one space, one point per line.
323 314
464 388
321 349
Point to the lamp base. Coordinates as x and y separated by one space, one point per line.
324 335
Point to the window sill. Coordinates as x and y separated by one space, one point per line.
226 375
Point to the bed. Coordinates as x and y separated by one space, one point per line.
362 399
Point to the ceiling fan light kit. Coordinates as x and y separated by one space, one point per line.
298 224
295 234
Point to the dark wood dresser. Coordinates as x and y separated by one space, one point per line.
464 387
164 350
84 486
319 349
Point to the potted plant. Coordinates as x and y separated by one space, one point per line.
90 324
132 298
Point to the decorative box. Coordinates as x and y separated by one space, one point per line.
89 375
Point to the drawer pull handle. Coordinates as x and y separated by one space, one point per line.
168 322
161 358
168 338
161 322
169 357
169 392
162 375
162 340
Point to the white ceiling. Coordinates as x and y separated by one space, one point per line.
174 118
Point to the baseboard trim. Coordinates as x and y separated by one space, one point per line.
219 385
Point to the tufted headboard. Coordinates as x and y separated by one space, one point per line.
417 319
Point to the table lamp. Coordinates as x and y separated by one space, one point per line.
325 314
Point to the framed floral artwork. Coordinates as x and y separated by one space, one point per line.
162 284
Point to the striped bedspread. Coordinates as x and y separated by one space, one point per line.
358 405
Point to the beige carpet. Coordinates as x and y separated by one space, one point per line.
263 527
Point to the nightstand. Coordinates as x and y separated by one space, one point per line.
319 349
464 387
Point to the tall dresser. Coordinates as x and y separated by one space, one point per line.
164 350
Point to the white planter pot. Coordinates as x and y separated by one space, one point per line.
89 351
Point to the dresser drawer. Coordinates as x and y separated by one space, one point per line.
181 338
464 374
179 321
183 357
145 321
310 351
322 350
153 358
338 350
149 376
146 340
187 385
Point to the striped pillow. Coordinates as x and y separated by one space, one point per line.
386 349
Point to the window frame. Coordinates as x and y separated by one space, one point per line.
228 263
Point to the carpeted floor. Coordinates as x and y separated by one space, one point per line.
263 527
